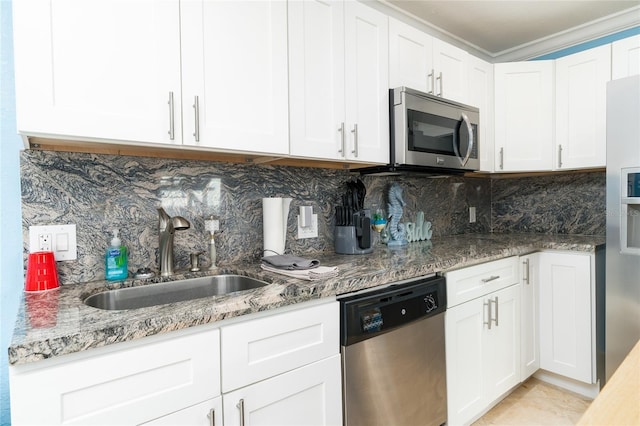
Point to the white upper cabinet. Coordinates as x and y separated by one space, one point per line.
480 95
410 57
450 68
98 69
338 55
422 62
524 105
234 75
625 56
316 78
581 94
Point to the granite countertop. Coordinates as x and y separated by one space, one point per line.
57 322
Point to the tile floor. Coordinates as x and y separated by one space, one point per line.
536 403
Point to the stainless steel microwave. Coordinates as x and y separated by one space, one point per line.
432 133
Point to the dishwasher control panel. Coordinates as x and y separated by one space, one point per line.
379 311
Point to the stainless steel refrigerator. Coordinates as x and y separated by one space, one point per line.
622 284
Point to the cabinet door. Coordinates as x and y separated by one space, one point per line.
464 334
480 95
98 69
143 381
367 83
316 79
581 101
410 57
529 318
625 57
265 347
524 106
207 413
502 343
234 60
310 395
450 64
566 315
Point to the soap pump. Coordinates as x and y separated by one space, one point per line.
212 225
116 259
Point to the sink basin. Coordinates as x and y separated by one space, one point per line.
170 292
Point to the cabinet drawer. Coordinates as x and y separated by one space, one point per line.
128 386
257 349
475 281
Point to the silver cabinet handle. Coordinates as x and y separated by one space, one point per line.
212 417
559 156
196 111
464 160
341 130
501 158
496 318
171 118
525 277
439 78
491 278
430 76
488 322
355 140
240 406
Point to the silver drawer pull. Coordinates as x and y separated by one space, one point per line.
212 417
488 322
240 406
491 278
171 117
525 264
496 318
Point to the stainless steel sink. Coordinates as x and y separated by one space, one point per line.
170 292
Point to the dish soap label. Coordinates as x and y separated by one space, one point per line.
116 260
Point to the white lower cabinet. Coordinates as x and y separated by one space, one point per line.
482 341
128 383
284 365
529 318
283 369
567 322
308 395
208 413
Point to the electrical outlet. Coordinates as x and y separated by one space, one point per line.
309 231
472 215
44 242
60 239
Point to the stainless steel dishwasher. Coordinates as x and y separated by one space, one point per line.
393 360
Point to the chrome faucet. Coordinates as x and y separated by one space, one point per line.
167 227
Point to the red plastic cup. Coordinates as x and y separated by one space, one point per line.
41 272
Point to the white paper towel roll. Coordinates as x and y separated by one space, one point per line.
275 212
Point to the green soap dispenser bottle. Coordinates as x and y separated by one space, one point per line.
116 260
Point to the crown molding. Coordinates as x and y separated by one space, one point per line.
589 31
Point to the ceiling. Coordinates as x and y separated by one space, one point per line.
497 28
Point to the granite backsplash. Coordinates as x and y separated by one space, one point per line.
100 193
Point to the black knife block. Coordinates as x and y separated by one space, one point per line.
355 239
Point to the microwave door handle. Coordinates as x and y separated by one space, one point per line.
464 160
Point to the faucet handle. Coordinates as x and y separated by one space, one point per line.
195 261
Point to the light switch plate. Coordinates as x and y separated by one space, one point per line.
60 239
472 215
309 231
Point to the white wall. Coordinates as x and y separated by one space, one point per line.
11 275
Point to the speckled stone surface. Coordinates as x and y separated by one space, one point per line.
563 203
58 323
101 192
